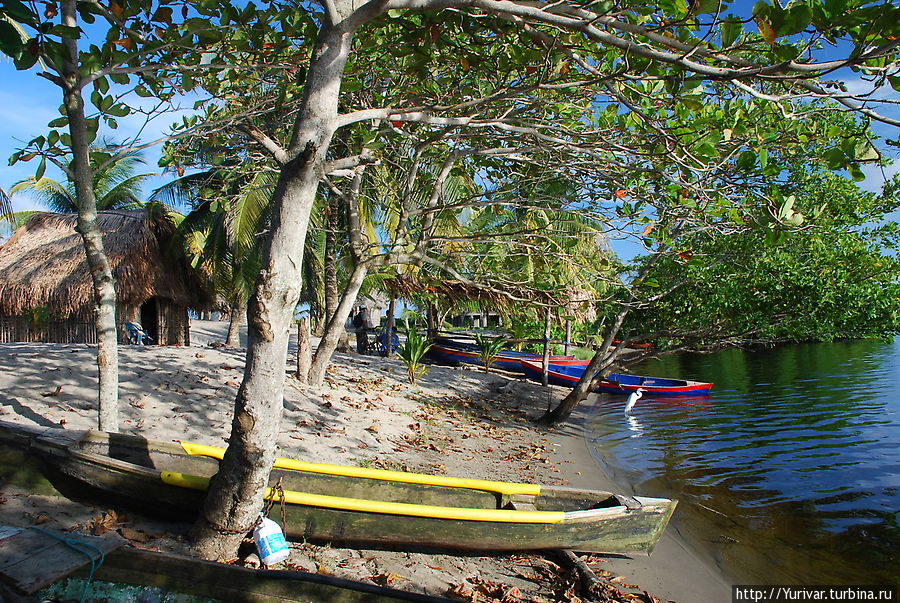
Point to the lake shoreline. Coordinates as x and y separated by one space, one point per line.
678 570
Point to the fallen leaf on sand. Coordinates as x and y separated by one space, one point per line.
135 535
388 579
39 518
101 524
53 393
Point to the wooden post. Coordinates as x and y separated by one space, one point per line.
545 364
568 336
304 350
392 307
431 326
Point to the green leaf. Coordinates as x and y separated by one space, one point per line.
41 169
864 151
119 110
59 122
19 12
746 161
731 28
786 52
26 59
795 19
11 43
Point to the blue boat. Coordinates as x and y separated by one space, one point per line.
618 383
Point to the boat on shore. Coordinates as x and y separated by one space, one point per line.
507 360
618 383
354 504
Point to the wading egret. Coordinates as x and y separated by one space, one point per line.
633 397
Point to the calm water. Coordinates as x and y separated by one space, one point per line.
788 473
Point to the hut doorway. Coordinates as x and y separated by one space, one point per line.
150 318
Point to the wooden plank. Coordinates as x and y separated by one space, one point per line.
188 575
31 559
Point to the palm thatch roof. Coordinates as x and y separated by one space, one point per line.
43 264
567 300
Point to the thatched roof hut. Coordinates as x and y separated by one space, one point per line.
563 301
44 279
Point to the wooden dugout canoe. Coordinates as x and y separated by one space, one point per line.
354 504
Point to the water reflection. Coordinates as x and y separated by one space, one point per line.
790 470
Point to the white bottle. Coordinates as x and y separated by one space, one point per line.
270 542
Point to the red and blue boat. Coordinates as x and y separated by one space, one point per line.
618 383
507 360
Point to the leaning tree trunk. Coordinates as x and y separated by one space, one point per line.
335 328
235 495
101 273
601 360
235 320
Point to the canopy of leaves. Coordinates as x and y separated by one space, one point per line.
837 279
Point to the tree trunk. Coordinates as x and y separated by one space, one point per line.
235 494
101 273
330 262
330 339
545 360
304 350
568 346
600 362
430 322
391 324
235 320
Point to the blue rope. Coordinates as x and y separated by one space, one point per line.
74 545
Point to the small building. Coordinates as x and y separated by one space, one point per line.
476 320
46 293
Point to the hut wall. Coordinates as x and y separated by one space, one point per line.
77 329
174 326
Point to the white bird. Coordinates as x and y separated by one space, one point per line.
633 397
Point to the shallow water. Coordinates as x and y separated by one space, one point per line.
788 473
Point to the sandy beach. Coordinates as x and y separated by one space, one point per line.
460 422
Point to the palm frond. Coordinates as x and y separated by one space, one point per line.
52 194
125 194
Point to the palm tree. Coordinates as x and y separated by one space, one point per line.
116 185
221 232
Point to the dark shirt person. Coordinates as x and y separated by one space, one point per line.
361 324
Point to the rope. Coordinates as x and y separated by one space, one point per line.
75 546
277 488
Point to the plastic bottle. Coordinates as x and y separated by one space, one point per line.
270 542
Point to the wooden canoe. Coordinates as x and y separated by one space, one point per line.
354 504
618 383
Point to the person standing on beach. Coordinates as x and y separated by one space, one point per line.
361 324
